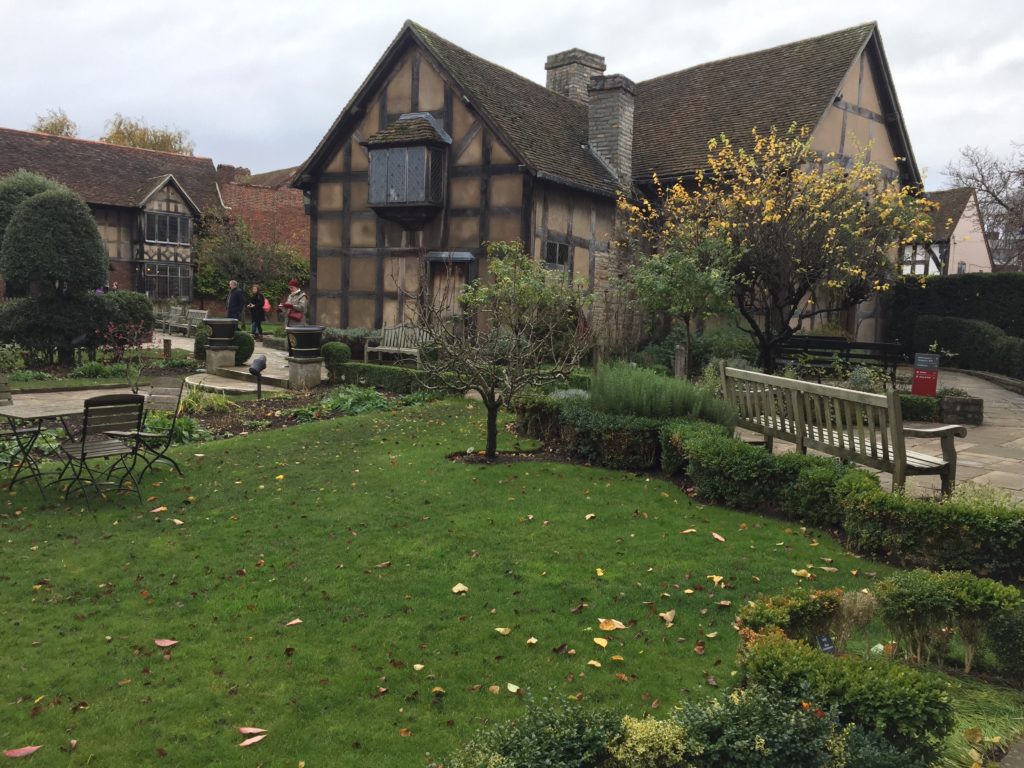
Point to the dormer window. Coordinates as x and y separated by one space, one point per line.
407 170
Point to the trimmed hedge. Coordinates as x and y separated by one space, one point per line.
390 378
991 297
611 440
910 708
675 434
800 614
919 407
974 344
981 536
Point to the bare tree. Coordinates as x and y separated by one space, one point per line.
523 326
999 182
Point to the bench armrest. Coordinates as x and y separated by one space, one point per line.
954 430
946 435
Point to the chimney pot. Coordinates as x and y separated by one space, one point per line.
569 72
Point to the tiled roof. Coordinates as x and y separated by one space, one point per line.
548 130
107 174
278 178
952 203
677 114
413 128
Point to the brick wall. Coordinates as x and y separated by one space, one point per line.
275 216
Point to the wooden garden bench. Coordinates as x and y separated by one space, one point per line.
396 340
823 351
174 317
860 427
192 320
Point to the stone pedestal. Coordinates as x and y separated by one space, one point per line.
304 372
220 357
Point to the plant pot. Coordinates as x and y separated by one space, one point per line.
305 340
222 331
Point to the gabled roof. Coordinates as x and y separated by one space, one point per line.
675 114
952 203
279 178
545 130
108 174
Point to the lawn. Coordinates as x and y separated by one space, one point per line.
361 527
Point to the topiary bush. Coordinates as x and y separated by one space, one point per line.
617 441
335 355
554 733
244 345
199 343
127 308
46 334
16 188
52 243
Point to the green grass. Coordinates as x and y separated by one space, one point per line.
361 527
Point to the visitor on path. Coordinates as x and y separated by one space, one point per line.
236 300
257 311
295 305
294 308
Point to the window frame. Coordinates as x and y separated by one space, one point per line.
558 264
430 186
182 225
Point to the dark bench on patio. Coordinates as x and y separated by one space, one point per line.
822 351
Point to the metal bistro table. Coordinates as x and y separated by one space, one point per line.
59 411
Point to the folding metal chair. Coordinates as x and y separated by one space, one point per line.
154 443
110 432
17 441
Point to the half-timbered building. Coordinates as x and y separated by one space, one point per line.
441 151
958 244
146 203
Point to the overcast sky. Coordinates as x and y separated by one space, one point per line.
257 83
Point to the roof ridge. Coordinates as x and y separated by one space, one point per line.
419 29
106 144
814 38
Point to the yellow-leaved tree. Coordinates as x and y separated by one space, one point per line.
795 234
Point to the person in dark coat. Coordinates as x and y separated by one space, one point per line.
257 311
236 300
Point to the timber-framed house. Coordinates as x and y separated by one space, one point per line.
440 151
147 204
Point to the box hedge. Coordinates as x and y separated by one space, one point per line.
992 298
972 344
611 440
390 378
910 708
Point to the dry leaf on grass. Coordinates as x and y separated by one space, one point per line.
165 643
717 536
21 751
503 630
609 625
460 589
253 740
248 730
293 622
601 641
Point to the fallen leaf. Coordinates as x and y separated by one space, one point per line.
609 625
279 477
689 530
158 510
165 643
599 571
253 740
460 589
600 641
21 751
594 663
531 641
711 634
668 616
699 648
437 690
404 732
72 745
622 676
803 573
385 564
418 667
512 688
617 658
591 516
248 730
293 622
724 603
494 689
717 536
176 521
503 630
716 579
710 680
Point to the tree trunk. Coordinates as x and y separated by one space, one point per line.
492 429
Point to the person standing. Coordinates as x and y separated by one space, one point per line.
235 301
295 305
257 311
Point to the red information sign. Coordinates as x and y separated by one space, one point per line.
926 374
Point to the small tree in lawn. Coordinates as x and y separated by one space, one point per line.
522 326
796 229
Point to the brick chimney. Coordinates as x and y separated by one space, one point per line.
569 72
610 123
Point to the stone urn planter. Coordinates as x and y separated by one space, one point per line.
961 410
305 340
222 331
